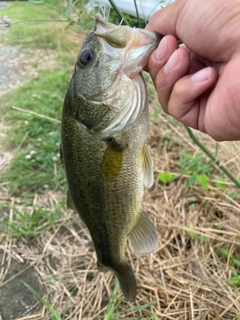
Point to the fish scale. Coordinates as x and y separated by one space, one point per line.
103 145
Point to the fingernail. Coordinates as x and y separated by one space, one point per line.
201 75
161 51
172 61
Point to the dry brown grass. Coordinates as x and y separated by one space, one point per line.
186 276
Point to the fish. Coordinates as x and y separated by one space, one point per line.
104 130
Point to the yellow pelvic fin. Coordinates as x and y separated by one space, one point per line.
147 167
143 239
112 160
69 201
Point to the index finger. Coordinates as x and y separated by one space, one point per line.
164 21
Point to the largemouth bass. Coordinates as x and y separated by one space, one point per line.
103 142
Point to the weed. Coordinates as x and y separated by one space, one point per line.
194 235
213 157
225 253
197 167
235 278
30 221
220 183
165 177
114 303
233 261
50 308
234 195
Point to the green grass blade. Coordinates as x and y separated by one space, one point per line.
120 14
136 308
137 14
45 303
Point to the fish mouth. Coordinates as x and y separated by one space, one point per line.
132 46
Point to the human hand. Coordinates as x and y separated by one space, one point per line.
198 83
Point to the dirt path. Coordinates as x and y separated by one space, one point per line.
17 66
10 74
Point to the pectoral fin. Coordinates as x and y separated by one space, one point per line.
147 167
143 239
112 160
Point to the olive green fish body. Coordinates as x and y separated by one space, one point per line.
105 157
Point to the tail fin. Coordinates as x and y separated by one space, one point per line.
127 281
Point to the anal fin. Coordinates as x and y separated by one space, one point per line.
69 202
143 239
61 155
147 167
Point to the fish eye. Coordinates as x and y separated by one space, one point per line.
86 56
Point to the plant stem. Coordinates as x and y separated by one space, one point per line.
136 8
209 154
115 7
54 8
36 114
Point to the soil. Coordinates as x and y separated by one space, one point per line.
16 300
11 74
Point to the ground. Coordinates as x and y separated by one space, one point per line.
190 276
16 300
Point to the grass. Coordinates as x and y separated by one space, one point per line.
195 273
36 26
29 221
114 303
36 139
52 309
111 313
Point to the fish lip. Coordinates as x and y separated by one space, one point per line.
103 26
99 18
131 46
